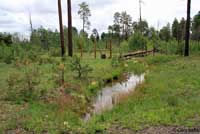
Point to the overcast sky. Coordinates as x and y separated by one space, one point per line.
14 14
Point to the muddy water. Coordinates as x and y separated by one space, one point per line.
111 95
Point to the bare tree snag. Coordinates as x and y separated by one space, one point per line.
61 28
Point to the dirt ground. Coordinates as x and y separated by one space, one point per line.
155 130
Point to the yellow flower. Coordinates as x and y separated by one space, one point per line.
94 83
61 66
65 123
125 65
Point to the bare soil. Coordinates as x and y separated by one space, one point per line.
115 129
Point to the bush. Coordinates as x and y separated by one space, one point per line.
123 47
8 59
32 55
31 83
58 73
14 88
79 68
6 54
24 87
93 87
137 42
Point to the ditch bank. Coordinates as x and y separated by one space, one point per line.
113 93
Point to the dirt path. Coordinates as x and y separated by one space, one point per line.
115 129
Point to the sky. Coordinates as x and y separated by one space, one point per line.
14 14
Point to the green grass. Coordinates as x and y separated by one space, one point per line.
45 117
39 115
169 96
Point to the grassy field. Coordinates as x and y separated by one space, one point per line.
54 111
169 96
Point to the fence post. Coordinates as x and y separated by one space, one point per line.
110 49
95 53
81 47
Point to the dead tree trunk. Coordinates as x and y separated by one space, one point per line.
95 49
61 28
70 45
81 47
110 49
187 31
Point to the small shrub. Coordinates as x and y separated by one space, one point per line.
58 73
8 59
93 86
32 55
79 68
31 82
17 62
14 87
79 104
23 87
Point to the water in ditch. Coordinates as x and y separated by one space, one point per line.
111 95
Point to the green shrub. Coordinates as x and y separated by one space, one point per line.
58 73
32 55
14 88
93 87
79 68
137 42
80 103
6 54
8 59
31 83
123 47
24 87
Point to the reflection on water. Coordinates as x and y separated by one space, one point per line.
109 96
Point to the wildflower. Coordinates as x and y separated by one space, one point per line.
94 83
66 123
61 66
125 65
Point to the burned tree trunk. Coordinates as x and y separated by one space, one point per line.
95 49
70 45
61 28
187 31
110 48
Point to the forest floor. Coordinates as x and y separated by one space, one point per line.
168 100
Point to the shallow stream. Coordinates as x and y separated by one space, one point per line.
111 95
